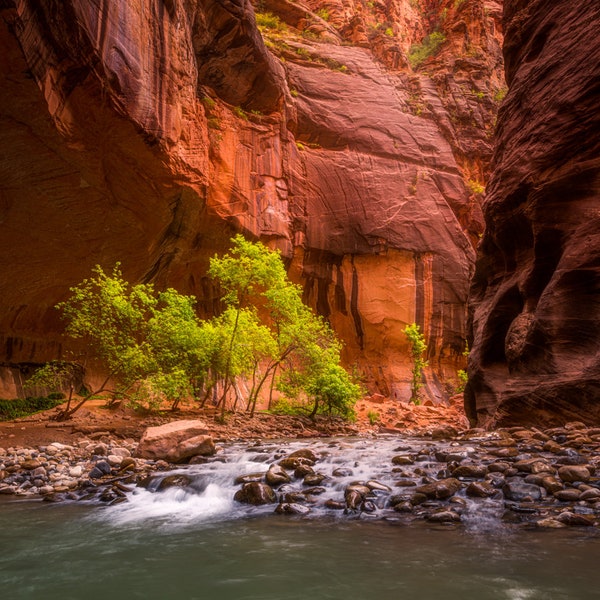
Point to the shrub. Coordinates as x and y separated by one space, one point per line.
430 46
373 417
269 21
23 407
324 14
463 378
418 347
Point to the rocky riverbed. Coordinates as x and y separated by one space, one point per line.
548 478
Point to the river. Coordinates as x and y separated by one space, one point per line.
197 543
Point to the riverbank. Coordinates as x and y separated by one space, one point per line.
435 473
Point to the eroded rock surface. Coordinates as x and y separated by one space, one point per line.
535 299
148 133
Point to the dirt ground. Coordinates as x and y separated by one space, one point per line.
374 415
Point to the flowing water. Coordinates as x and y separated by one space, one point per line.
196 542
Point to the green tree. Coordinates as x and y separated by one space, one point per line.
418 347
151 346
292 338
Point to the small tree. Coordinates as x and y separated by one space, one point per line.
291 338
418 347
149 345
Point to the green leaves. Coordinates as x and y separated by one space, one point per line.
418 347
155 348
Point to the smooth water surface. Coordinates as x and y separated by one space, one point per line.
83 552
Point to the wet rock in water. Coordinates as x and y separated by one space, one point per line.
516 489
402 460
550 523
302 471
534 466
573 473
354 495
440 490
508 452
552 446
368 506
180 480
314 479
444 516
472 471
342 472
590 494
334 504
551 484
292 497
404 507
255 493
378 486
292 508
276 475
306 453
481 489
575 520
405 483
418 498
443 456
315 491
568 495
249 477
290 463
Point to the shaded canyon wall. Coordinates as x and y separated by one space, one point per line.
147 132
535 299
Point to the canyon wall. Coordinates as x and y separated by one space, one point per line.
148 132
535 302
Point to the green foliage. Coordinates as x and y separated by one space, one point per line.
304 53
208 102
389 32
55 376
289 338
268 21
418 53
143 340
213 123
500 94
324 14
23 407
476 187
154 348
240 112
373 417
418 347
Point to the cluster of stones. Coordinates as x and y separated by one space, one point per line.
91 469
533 476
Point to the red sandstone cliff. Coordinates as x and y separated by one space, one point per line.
535 296
147 132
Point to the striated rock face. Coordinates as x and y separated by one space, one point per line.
148 132
535 299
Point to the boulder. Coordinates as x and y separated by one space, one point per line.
516 489
176 441
255 493
440 490
572 473
276 475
